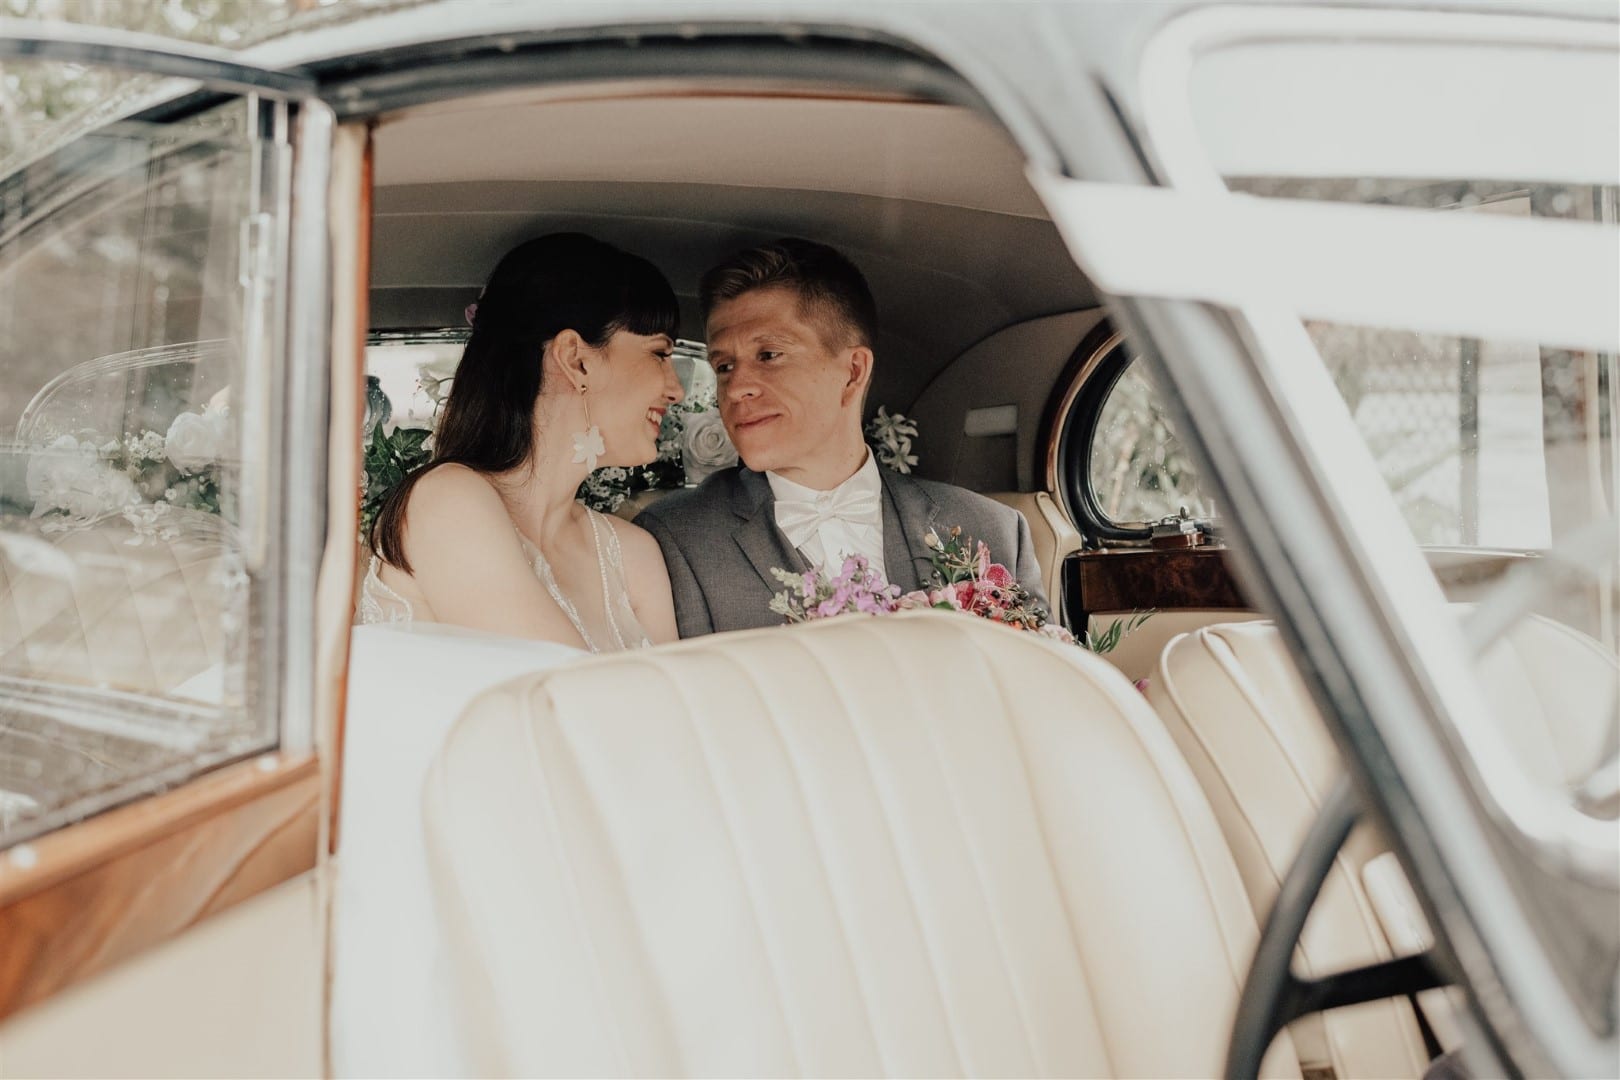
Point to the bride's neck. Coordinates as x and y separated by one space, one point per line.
540 493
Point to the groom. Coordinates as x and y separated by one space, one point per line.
790 330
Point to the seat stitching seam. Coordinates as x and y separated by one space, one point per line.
727 817
1092 986
826 864
525 702
979 873
905 877
1209 643
1229 665
1200 858
1228 662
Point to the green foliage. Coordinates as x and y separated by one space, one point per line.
1109 639
389 459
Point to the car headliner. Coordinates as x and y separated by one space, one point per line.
929 200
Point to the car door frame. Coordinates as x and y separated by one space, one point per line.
1323 548
139 874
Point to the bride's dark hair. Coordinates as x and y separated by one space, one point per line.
565 281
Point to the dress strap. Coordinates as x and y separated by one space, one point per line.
615 554
371 609
603 559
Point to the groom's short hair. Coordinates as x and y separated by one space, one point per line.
832 291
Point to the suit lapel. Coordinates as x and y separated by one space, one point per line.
761 541
908 513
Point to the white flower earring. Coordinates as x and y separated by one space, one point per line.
588 445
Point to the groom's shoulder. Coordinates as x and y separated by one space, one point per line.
951 497
694 507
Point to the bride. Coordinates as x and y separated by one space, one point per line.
568 369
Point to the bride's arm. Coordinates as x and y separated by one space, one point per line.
466 558
647 579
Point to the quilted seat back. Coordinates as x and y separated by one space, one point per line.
916 845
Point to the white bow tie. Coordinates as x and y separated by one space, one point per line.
800 519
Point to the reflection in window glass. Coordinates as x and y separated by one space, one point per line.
1456 427
414 371
127 588
1140 471
1470 435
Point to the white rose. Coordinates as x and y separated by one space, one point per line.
196 440
707 445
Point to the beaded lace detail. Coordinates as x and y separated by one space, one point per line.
380 604
623 631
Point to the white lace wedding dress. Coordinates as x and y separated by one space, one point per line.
617 630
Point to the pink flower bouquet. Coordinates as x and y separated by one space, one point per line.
965 579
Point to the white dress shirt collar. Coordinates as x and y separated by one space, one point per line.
865 479
835 537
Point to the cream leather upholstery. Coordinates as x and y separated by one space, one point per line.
95 607
1055 536
857 847
1137 654
1232 699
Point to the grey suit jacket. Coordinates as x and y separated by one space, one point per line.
720 542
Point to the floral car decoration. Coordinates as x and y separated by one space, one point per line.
77 480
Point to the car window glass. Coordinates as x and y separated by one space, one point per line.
133 271
413 373
1139 469
1483 442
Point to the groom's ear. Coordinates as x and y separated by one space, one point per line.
860 374
568 349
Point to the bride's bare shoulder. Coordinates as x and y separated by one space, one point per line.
641 553
455 493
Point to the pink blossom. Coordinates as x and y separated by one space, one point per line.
871 603
834 605
999 576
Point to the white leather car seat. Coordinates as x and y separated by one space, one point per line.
916 845
1055 537
1234 702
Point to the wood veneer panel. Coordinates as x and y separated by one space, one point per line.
98 892
1123 580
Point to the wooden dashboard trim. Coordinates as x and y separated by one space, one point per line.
1127 579
80 900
